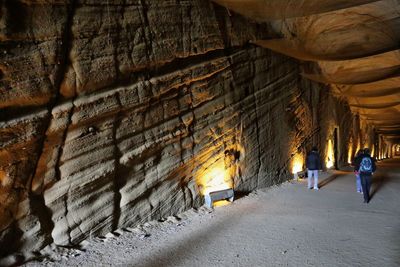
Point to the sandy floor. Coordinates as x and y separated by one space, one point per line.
287 225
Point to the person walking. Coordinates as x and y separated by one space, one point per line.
356 172
313 164
366 166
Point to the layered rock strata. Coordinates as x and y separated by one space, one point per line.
112 112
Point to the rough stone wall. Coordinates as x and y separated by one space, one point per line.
328 112
112 111
334 114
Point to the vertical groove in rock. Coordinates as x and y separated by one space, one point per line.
147 31
256 124
116 40
119 176
37 201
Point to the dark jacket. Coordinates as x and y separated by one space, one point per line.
359 159
313 161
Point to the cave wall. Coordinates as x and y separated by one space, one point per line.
112 112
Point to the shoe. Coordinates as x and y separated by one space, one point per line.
310 188
316 188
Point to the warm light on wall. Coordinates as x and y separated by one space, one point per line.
297 163
3 177
330 155
215 178
350 155
221 203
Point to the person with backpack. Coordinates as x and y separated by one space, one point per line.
313 164
366 166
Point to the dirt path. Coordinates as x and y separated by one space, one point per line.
287 225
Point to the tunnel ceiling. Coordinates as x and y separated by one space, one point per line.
351 45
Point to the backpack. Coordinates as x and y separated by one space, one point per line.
366 165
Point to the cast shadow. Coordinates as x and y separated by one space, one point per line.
377 183
328 180
241 194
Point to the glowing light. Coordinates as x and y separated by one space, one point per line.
221 203
350 155
358 147
297 163
3 177
330 155
329 164
215 178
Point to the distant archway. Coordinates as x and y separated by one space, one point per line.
397 150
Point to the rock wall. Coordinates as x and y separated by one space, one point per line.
113 112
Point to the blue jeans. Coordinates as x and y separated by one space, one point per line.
312 173
366 185
358 182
